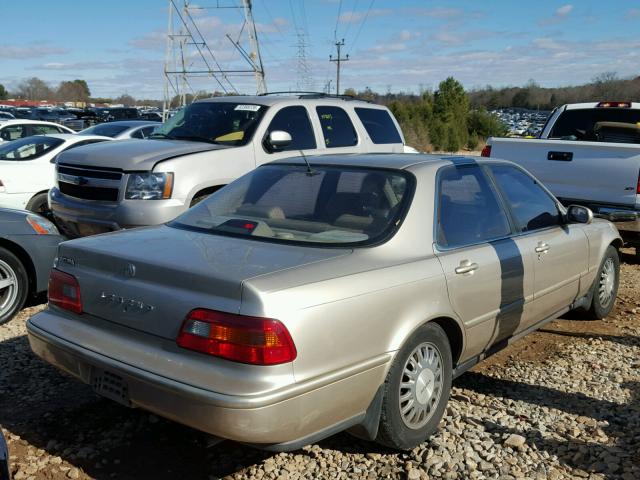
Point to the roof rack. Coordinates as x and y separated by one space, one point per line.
305 94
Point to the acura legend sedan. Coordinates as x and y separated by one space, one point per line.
316 295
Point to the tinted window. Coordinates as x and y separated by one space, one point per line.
105 129
337 129
294 121
379 125
284 203
580 124
469 210
532 206
28 148
12 132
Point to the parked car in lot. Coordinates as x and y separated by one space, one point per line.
14 129
4 459
27 168
124 129
202 148
587 154
304 299
6 116
28 245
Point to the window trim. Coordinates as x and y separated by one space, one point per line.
436 213
324 139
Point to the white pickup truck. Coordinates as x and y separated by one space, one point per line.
587 154
202 148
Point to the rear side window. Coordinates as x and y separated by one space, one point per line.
337 129
294 121
469 211
379 125
12 132
45 130
532 206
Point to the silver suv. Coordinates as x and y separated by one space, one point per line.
202 148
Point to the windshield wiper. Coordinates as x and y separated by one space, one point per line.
160 135
196 138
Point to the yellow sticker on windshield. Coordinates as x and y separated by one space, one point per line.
230 137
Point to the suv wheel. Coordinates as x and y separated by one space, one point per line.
39 204
14 285
605 286
416 390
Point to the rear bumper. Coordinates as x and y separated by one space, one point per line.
285 419
85 217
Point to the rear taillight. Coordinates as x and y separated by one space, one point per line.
64 291
254 340
486 151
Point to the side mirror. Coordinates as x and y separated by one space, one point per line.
278 139
579 214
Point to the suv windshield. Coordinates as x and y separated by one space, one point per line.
216 122
287 203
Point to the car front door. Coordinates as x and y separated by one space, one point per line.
295 121
560 250
488 278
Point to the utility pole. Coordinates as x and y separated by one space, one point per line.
338 60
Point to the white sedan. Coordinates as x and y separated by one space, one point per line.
27 168
13 129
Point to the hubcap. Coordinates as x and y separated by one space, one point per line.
421 385
8 287
607 282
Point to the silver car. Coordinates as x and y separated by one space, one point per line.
122 130
308 298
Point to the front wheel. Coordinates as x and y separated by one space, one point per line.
14 285
39 204
416 390
605 287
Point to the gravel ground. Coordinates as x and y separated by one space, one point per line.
563 403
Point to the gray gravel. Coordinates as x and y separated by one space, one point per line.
570 411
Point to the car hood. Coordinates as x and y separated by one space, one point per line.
132 155
172 271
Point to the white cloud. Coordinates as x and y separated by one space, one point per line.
564 10
16 52
355 17
560 15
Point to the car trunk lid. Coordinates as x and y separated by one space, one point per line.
149 279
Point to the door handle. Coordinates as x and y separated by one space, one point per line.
466 267
542 247
560 156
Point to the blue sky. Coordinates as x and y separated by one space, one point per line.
118 46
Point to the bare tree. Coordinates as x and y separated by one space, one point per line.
34 89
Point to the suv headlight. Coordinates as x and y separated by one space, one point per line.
149 186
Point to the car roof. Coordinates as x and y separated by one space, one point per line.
269 100
30 122
128 123
74 136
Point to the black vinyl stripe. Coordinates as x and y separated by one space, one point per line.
512 288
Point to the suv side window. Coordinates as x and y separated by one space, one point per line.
379 126
532 207
295 121
337 129
469 211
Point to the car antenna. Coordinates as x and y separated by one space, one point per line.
310 172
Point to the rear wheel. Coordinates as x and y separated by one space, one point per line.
14 285
416 390
605 287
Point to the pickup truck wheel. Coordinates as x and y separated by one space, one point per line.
39 204
14 285
605 287
416 390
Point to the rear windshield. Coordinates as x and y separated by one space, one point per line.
105 129
581 124
28 148
287 203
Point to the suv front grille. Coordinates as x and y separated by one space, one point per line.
89 183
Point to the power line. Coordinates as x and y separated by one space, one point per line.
361 25
355 8
335 30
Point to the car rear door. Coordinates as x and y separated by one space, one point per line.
560 250
488 278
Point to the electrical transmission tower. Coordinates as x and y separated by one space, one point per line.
303 78
338 61
188 55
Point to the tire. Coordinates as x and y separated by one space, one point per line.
14 285
401 431
39 204
605 286
197 199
